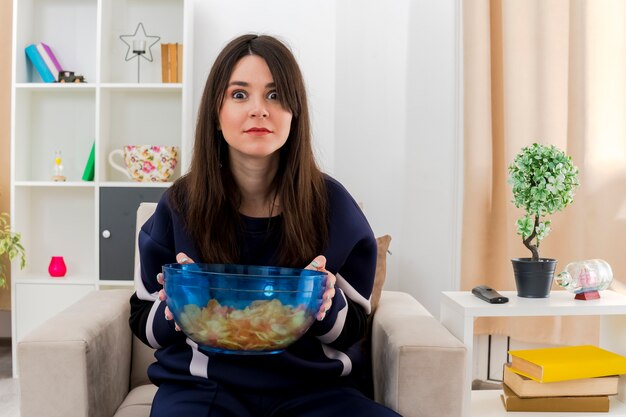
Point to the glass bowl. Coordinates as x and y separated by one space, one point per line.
243 309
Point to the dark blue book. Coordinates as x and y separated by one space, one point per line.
42 69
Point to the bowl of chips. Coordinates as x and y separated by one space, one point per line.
243 309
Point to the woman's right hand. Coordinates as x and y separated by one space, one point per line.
181 258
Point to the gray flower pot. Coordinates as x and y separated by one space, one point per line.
533 278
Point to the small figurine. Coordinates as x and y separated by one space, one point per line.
58 167
69 77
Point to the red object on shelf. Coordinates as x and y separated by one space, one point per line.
57 267
588 295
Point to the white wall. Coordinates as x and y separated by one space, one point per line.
398 139
434 152
308 27
384 85
370 108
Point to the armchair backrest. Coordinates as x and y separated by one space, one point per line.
143 355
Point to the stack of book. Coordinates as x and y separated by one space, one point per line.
571 378
44 61
172 62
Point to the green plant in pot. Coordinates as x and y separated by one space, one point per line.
543 180
10 247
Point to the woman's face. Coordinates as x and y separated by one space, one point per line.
251 118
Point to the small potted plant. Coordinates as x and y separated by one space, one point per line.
543 180
10 246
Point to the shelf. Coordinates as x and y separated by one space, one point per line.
153 87
163 18
67 26
61 184
48 280
137 116
45 122
112 283
110 110
488 404
56 221
55 86
129 184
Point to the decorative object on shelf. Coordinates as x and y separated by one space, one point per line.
10 247
49 59
69 77
139 46
146 163
39 64
543 180
57 268
172 62
586 278
90 166
58 167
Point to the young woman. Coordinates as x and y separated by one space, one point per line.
254 195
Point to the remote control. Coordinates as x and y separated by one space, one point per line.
489 294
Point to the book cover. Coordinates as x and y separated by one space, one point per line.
50 59
173 64
525 387
89 172
42 69
179 62
165 64
566 363
550 404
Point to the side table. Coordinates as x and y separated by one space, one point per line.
459 309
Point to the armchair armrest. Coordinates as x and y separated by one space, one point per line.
418 364
78 362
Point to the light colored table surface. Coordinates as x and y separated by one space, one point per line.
560 303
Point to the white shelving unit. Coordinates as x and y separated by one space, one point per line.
111 110
459 309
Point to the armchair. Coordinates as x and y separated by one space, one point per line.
85 362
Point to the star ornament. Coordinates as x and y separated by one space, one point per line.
149 40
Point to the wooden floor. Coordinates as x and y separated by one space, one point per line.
9 395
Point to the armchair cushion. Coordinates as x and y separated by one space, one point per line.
138 402
418 365
78 362
143 356
381 270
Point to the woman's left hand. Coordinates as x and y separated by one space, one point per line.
319 264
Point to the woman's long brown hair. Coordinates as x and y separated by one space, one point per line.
207 197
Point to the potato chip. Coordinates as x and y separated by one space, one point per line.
263 325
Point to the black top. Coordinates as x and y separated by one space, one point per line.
330 349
